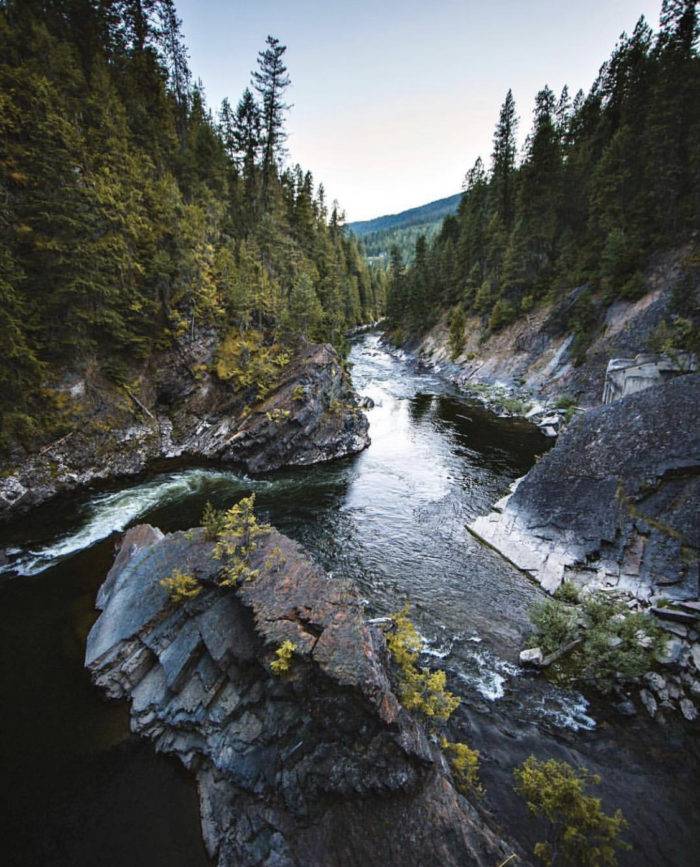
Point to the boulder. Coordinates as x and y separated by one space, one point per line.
688 709
625 376
531 656
318 765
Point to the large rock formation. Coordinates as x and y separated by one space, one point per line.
182 410
318 766
629 375
616 502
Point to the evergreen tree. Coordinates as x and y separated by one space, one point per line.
270 80
503 161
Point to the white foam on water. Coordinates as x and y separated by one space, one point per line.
490 674
567 711
110 513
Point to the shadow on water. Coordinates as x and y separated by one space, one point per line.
80 790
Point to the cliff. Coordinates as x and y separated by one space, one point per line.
316 765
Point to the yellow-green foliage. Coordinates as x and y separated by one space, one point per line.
245 361
213 522
278 414
419 688
283 654
579 833
298 392
181 587
239 528
275 559
465 766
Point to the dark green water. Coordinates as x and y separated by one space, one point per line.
80 790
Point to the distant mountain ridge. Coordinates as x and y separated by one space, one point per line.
379 235
430 213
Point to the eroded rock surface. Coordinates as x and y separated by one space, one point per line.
616 502
183 411
319 766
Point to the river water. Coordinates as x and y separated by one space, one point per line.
81 790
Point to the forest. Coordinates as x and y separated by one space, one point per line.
606 181
133 214
402 230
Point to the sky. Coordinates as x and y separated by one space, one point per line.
393 100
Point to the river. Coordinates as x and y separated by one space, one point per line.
81 791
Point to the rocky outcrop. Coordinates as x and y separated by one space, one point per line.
320 765
615 503
629 375
182 410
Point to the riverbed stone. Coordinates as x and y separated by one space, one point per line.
688 709
695 655
649 702
671 653
531 656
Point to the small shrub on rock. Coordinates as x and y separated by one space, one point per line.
568 592
236 541
246 362
578 832
213 522
181 587
283 658
556 624
420 689
465 766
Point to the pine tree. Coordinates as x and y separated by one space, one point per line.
270 80
503 161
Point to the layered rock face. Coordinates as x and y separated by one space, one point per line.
616 503
183 411
534 358
317 766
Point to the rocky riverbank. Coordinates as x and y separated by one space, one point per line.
546 365
615 506
179 408
314 763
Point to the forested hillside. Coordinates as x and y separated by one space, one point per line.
403 229
607 180
132 214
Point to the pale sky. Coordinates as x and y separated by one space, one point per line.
395 99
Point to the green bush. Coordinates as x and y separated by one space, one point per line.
568 592
610 632
578 832
556 624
